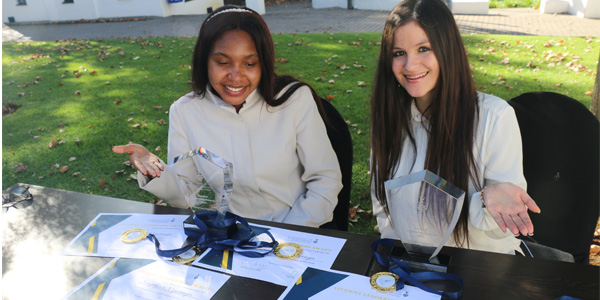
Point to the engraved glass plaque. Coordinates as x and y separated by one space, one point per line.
216 174
424 211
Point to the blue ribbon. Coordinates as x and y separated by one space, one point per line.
209 232
402 269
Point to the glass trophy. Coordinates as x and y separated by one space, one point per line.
425 209
215 173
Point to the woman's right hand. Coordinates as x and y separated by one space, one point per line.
141 159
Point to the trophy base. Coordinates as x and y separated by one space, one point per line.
422 263
439 263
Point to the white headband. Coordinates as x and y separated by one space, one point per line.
229 10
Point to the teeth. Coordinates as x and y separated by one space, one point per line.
418 76
234 89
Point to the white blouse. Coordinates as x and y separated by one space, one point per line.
498 152
284 168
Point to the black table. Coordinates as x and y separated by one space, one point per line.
32 267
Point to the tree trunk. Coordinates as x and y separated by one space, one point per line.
595 103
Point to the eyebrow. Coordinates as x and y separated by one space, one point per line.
421 43
227 56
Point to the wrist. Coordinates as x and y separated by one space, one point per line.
481 195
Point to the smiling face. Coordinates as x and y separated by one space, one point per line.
234 69
414 64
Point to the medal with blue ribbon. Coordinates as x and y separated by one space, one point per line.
399 273
205 231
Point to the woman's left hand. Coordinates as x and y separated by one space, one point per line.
508 204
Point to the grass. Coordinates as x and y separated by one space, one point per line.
514 3
78 97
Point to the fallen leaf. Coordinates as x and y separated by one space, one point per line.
329 96
72 158
157 149
77 93
64 169
75 174
20 168
52 145
102 182
362 83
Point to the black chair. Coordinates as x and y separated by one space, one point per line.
561 165
341 141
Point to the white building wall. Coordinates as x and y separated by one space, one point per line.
329 3
194 7
585 8
128 8
55 10
82 9
386 5
35 10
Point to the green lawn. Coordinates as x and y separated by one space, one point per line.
79 97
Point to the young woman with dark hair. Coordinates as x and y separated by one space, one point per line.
426 114
268 126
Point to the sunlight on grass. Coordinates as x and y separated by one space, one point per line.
78 97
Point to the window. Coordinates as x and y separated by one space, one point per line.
21 2
68 1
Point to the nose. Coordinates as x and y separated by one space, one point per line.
234 72
410 62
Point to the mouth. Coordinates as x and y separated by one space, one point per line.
234 91
416 77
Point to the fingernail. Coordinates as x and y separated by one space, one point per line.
531 234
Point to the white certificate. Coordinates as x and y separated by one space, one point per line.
318 284
125 278
102 237
317 250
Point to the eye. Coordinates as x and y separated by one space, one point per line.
424 49
398 53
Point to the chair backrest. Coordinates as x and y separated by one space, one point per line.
341 141
561 165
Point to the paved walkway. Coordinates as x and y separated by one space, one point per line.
299 17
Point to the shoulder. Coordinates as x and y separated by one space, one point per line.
185 99
490 105
302 97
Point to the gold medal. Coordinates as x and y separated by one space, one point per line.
134 235
384 282
288 251
187 256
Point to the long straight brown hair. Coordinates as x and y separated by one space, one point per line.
452 113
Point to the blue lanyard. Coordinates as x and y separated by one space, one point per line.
402 269
206 231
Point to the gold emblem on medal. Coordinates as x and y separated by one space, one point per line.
134 235
384 282
288 251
